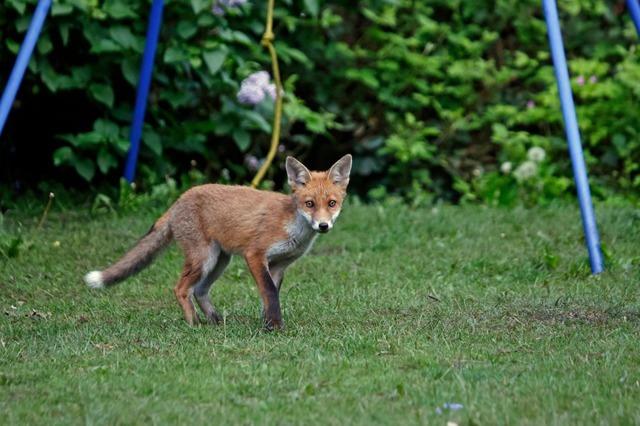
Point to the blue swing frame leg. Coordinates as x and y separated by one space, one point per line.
634 11
15 78
153 31
573 136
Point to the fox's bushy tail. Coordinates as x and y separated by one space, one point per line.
136 259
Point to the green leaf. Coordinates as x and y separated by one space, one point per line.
80 77
84 140
174 54
19 5
44 44
366 76
195 61
223 127
312 7
49 77
206 20
107 129
85 168
122 145
386 17
257 120
177 98
199 5
235 36
106 45
22 24
186 29
152 140
124 37
289 53
242 139
59 9
102 93
130 70
63 29
33 67
214 60
106 161
62 156
119 9
12 45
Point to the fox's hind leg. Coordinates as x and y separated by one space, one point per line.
213 267
191 274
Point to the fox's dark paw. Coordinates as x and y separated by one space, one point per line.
214 319
273 324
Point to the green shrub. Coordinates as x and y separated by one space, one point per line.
456 89
434 98
96 47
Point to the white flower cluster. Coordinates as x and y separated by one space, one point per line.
529 168
254 88
526 171
536 154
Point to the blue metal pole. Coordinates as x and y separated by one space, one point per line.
634 10
153 31
573 136
22 61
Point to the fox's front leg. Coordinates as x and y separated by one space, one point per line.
277 272
257 263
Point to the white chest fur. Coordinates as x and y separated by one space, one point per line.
301 238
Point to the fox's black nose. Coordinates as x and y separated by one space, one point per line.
324 226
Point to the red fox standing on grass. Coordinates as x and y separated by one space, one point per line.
212 222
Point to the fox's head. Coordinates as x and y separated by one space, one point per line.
319 195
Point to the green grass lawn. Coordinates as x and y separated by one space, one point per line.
391 315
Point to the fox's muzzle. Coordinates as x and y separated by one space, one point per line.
322 227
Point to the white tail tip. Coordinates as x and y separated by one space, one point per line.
94 279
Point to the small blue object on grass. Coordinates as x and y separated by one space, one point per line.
450 406
573 136
22 60
634 11
153 31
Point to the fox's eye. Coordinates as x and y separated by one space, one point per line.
332 203
309 204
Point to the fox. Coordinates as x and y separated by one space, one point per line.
212 222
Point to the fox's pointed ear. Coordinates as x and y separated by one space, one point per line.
297 173
339 172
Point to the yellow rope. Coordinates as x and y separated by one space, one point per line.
267 41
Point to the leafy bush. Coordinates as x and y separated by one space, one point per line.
192 114
435 99
456 89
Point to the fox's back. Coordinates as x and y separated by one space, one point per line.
237 217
